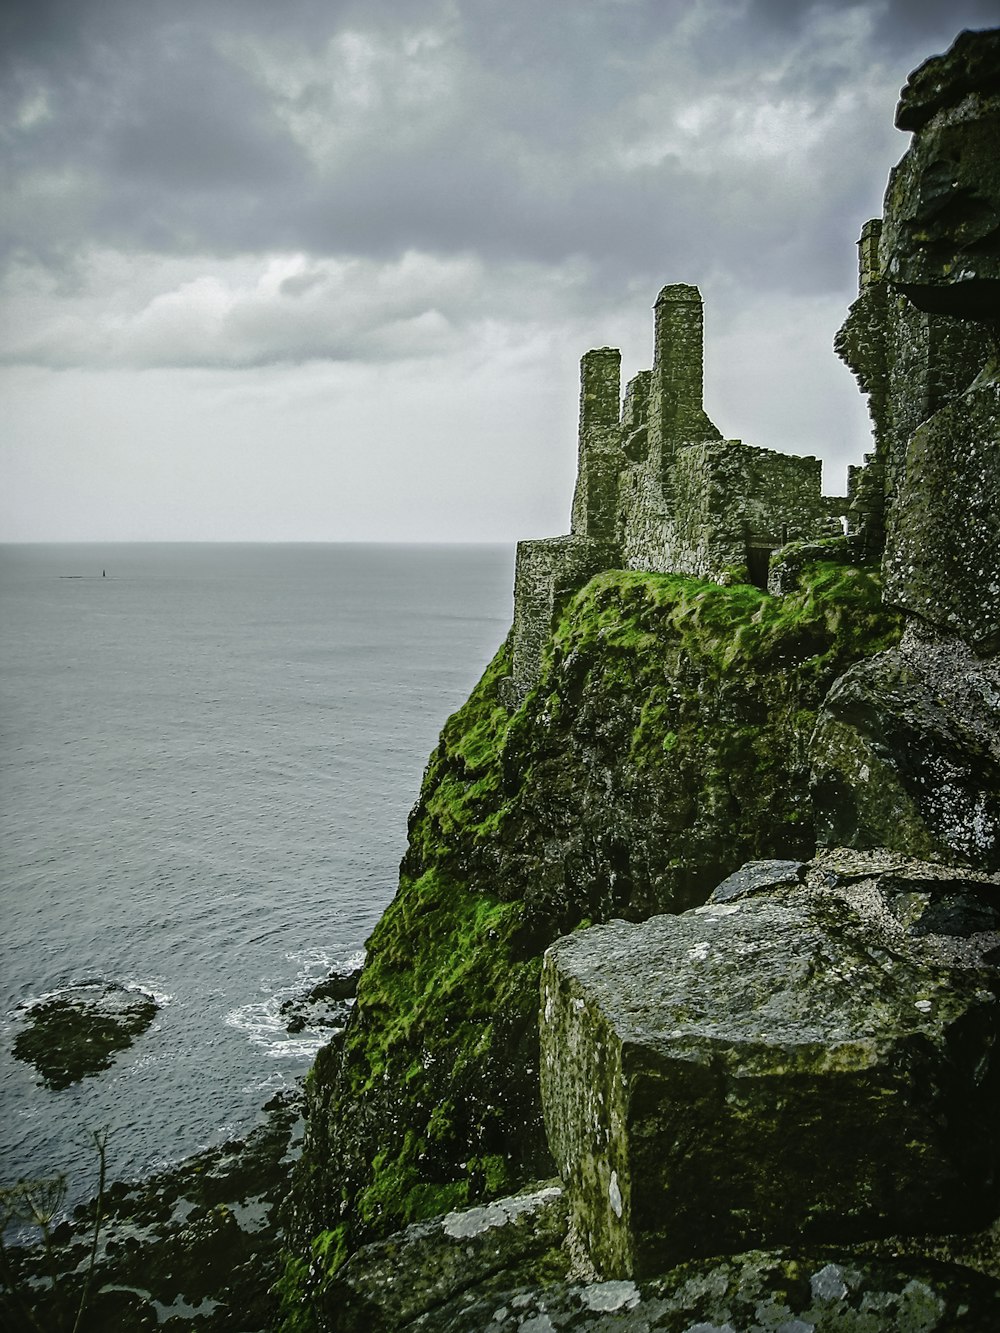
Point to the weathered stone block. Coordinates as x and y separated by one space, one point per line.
906 753
805 1066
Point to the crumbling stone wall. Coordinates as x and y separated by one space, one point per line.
547 574
659 489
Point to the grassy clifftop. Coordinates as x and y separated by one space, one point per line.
665 744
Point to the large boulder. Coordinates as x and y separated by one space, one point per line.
943 203
812 1063
906 753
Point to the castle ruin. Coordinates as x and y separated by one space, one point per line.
659 489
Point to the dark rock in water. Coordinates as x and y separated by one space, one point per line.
812 1064
77 1031
337 986
325 1005
767 1292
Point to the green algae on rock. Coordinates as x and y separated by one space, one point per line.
78 1030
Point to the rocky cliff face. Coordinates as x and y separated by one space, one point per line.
666 744
808 1059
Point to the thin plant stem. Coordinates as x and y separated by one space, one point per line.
100 1137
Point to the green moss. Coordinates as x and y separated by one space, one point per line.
462 781
633 625
295 1294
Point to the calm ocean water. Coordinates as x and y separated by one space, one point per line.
207 762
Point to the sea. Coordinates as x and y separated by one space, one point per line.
207 758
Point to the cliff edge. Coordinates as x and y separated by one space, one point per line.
730 795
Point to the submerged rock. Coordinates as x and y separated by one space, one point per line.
78 1030
814 1064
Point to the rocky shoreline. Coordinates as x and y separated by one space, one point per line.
198 1245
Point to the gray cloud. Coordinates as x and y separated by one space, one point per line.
373 128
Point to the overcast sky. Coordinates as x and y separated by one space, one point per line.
323 270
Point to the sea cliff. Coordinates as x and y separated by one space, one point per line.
730 793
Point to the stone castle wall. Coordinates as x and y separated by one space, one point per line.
659 489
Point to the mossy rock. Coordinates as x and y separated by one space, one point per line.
78 1030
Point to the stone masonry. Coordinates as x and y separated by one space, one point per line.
658 488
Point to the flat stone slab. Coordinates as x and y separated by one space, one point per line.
391 1283
809 1065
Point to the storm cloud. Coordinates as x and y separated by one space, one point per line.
222 186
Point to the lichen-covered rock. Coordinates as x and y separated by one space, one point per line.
906 753
387 1285
77 1030
942 218
752 1293
942 558
815 1064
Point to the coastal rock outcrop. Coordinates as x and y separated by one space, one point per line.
667 743
810 1063
77 1030
942 221
906 753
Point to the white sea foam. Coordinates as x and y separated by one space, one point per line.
262 1021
